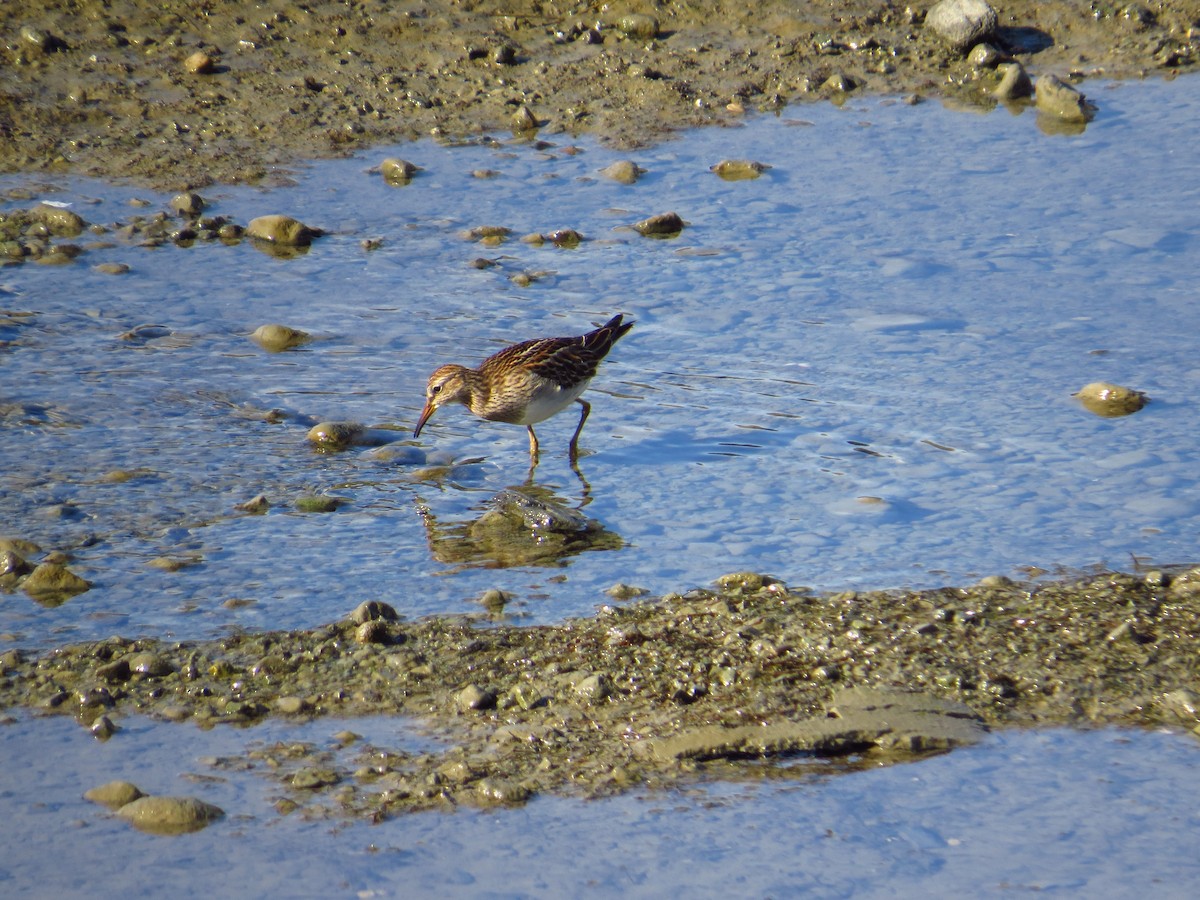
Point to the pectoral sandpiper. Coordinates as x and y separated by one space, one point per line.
528 382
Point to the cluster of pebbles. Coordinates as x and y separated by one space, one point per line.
654 691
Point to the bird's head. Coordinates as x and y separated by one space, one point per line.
449 384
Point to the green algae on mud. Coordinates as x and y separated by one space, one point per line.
654 692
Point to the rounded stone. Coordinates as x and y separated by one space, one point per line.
276 338
961 23
169 815
114 794
1110 400
283 230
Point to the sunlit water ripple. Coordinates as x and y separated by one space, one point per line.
854 371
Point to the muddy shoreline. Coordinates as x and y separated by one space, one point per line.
656 692
178 96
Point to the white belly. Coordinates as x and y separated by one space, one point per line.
550 399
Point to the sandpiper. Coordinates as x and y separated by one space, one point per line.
528 382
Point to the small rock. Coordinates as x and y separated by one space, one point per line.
59 222
169 815
738 169
188 204
594 688
337 435
103 728
111 268
985 56
256 504
291 706
1110 400
961 23
149 665
475 697
397 171
622 591
376 631
639 26
199 63
660 225
1014 82
524 120
53 581
1057 98
318 503
283 230
623 171
114 794
494 600
372 610
277 338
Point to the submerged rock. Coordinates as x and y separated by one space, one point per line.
53 582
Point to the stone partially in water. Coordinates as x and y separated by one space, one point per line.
169 815
53 582
337 435
1014 82
114 794
739 169
961 23
623 171
1110 400
282 230
1057 98
397 172
58 221
277 338
662 225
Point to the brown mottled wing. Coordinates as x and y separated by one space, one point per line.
565 360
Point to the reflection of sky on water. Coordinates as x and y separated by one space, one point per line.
854 371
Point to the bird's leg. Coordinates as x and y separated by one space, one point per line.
533 444
587 408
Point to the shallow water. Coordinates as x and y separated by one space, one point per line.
1099 814
854 371
899 309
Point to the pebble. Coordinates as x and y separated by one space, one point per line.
1057 98
475 697
284 230
961 23
397 171
1110 400
623 171
169 815
638 25
524 120
1014 82
199 63
738 169
53 581
661 225
114 794
277 338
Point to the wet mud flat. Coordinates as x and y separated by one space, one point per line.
180 95
733 681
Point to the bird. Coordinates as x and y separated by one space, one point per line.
528 382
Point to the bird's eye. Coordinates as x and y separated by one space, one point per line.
436 389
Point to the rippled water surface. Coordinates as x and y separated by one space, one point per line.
1079 814
854 371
